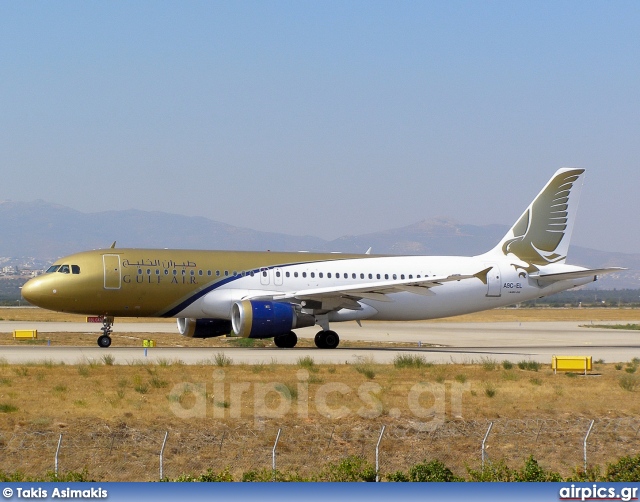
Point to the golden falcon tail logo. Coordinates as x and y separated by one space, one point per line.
538 234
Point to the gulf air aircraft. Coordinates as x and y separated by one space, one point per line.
268 294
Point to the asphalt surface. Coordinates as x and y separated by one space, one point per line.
436 342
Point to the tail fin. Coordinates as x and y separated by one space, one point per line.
541 236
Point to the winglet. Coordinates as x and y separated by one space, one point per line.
113 246
368 250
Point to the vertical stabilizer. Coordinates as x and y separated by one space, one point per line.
541 236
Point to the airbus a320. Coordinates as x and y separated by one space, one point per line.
270 294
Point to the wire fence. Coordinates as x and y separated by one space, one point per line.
125 453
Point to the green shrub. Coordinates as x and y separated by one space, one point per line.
629 382
489 364
434 471
220 359
410 361
306 362
207 477
352 468
7 408
398 477
529 365
490 391
507 365
626 469
500 471
533 472
492 471
108 359
263 475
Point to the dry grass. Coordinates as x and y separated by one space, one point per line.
48 398
95 401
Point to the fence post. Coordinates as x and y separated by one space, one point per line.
273 462
484 441
377 450
166 434
584 445
57 453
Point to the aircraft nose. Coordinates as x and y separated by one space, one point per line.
33 291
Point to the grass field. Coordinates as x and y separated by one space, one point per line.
220 414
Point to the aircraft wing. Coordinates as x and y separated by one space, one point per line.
347 296
546 279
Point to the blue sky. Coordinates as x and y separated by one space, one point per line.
324 118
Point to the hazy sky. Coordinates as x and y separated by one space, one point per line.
324 118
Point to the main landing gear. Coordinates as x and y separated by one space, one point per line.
286 341
104 340
327 339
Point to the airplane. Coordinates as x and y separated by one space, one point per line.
270 294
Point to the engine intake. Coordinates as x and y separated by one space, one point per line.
264 319
203 328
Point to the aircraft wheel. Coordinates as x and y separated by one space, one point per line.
327 339
104 341
331 339
286 341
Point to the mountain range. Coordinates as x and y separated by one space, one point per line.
43 231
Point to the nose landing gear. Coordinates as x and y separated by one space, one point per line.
104 340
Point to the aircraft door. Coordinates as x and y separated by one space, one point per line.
494 280
277 279
112 272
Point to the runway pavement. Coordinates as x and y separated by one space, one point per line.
436 342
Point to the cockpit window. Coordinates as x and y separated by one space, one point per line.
75 269
52 269
64 269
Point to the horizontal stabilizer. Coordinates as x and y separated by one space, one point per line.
545 279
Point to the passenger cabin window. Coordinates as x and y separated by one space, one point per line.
52 268
64 269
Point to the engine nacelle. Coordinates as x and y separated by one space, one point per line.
264 319
203 328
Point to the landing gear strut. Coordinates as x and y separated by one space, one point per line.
327 339
104 340
286 341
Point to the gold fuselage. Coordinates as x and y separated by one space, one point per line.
149 282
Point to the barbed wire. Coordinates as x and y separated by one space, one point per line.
123 452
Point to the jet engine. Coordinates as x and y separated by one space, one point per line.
264 319
203 328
